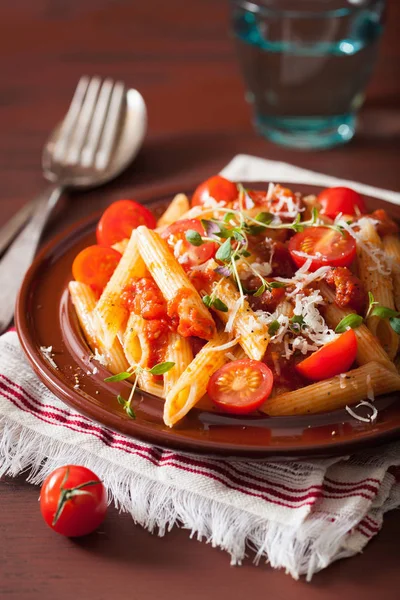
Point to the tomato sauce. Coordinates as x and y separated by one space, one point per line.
143 297
191 322
202 279
286 378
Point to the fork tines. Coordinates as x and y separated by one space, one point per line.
89 129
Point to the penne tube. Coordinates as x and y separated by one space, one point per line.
284 308
84 301
391 246
379 285
175 211
192 384
121 246
137 351
368 346
242 322
110 309
182 297
335 393
180 352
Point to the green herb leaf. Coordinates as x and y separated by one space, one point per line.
224 233
245 253
118 377
273 327
371 299
314 214
276 284
224 252
265 217
229 216
161 368
395 324
383 312
260 290
130 412
193 237
219 305
353 321
255 229
207 300
121 400
297 319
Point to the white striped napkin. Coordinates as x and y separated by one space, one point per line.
298 515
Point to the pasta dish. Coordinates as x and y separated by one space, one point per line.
261 300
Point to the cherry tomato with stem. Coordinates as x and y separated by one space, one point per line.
94 266
73 501
188 255
241 386
326 247
332 359
217 187
119 220
343 200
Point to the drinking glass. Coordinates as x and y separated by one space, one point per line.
306 64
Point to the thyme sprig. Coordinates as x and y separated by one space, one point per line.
158 369
375 309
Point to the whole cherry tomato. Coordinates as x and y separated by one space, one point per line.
120 218
343 200
218 188
73 501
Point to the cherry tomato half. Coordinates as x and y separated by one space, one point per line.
73 501
94 266
327 246
240 386
188 255
330 360
216 187
341 200
120 218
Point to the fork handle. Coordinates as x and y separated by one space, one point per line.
19 256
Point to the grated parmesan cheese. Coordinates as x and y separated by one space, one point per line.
264 269
302 278
342 381
235 309
47 352
370 418
225 346
230 356
382 263
100 358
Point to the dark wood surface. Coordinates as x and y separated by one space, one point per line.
180 56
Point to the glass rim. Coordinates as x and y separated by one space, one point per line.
255 6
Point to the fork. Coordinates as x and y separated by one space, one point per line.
78 153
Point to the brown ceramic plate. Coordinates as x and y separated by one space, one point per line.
45 317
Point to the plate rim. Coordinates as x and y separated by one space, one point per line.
144 433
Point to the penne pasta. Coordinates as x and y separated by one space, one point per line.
84 301
182 297
331 395
110 308
175 211
121 246
180 352
242 322
137 350
391 246
379 285
192 384
368 347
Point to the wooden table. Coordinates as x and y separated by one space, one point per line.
179 55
